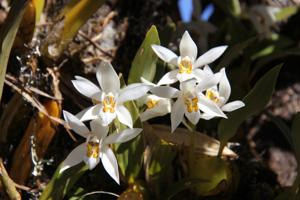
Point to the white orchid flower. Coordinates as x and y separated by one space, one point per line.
109 98
190 101
96 147
186 62
156 106
219 94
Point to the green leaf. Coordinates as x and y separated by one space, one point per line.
7 36
72 17
61 183
180 186
144 63
255 101
282 126
286 12
39 5
130 154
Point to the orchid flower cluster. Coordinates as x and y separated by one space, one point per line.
201 94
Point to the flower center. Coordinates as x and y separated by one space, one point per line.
151 103
109 104
212 95
185 66
191 104
93 149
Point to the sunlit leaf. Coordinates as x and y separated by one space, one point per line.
214 170
39 5
158 165
255 101
203 144
7 35
144 63
72 17
61 183
286 12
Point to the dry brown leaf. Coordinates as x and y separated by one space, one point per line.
26 29
43 129
203 143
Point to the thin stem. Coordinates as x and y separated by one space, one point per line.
99 192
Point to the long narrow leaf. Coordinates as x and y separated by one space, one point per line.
255 101
8 34
144 63
61 183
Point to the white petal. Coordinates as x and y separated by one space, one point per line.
209 107
162 108
98 129
91 162
177 113
206 116
169 78
165 91
188 47
165 54
89 113
193 117
188 86
133 91
107 117
184 77
207 70
75 157
122 137
233 106
110 163
210 56
224 86
208 82
124 115
108 78
87 88
143 80
199 74
75 124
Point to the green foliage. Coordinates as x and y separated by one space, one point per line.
7 36
255 101
61 183
286 12
130 154
144 63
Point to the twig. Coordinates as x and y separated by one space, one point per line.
30 89
34 102
57 93
8 184
94 44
